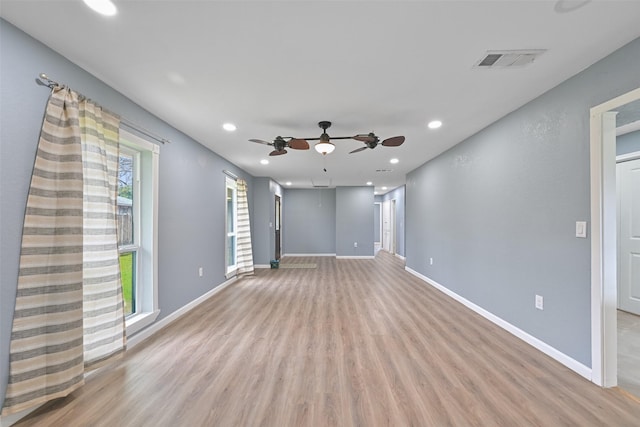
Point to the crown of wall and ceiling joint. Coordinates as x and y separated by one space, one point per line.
508 58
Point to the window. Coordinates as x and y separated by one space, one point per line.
137 215
231 226
128 214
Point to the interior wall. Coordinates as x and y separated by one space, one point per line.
628 143
191 188
497 212
354 221
309 221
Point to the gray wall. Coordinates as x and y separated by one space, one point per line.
398 194
497 212
309 221
263 233
191 199
628 143
354 221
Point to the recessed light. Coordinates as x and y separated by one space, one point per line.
369 183
394 161
288 182
384 188
434 124
103 7
229 127
264 161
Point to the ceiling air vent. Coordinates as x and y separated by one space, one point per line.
508 58
384 170
320 182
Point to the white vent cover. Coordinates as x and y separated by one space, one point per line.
508 58
321 182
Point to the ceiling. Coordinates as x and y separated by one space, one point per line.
278 68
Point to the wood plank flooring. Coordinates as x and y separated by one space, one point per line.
349 343
629 352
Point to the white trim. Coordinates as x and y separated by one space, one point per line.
261 265
355 257
552 352
628 157
156 327
603 252
628 128
401 257
308 255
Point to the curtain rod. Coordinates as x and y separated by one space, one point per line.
43 80
230 174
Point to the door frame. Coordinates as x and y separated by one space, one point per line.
604 351
392 227
277 229
379 206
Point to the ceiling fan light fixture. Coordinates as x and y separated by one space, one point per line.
325 147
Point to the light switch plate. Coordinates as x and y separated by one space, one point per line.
581 229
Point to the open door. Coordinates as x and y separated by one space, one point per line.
628 190
277 228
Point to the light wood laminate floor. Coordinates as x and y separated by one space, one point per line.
629 352
350 343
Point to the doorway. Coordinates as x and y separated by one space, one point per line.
389 226
604 266
628 254
277 228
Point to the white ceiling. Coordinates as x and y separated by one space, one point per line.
277 68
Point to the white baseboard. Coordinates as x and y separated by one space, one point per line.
293 255
355 257
261 265
148 332
550 351
401 257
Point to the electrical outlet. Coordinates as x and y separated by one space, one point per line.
539 302
200 271
355 244
430 261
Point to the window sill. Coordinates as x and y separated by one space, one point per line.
140 321
231 274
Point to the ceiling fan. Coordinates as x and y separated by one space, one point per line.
324 145
279 145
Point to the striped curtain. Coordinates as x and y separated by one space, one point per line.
46 358
60 316
245 254
104 331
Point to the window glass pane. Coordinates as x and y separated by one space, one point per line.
230 210
125 199
128 277
231 250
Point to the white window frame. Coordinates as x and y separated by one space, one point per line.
231 183
145 206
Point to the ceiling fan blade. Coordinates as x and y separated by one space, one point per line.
278 153
259 141
358 149
365 138
394 141
298 144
